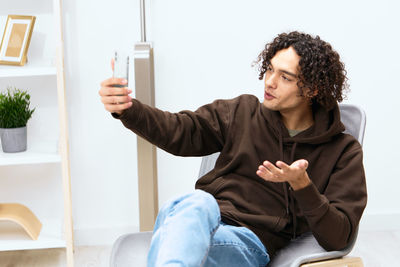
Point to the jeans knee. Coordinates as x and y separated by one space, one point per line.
197 201
206 209
205 202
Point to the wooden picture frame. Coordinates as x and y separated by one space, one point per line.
16 39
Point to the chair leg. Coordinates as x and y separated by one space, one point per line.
343 262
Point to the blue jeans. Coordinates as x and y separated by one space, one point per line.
189 232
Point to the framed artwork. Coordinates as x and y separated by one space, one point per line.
16 38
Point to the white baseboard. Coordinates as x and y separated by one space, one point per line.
101 236
380 222
107 236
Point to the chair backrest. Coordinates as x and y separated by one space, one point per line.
352 116
354 119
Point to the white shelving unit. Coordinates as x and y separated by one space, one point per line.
28 70
39 178
38 153
13 237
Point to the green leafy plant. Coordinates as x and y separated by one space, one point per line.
14 108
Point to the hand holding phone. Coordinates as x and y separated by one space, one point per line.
114 92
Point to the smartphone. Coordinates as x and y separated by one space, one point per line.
121 66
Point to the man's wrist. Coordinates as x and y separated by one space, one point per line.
300 183
116 115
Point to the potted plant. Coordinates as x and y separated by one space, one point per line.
14 115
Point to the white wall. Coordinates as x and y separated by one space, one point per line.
103 153
203 51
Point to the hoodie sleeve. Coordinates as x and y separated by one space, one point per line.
333 215
185 133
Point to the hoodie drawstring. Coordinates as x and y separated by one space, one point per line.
291 200
288 197
292 153
293 217
285 190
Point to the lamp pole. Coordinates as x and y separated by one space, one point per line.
146 152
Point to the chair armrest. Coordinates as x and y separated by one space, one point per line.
131 250
305 249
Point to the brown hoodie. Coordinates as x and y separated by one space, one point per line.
247 133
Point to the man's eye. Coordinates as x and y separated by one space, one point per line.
285 78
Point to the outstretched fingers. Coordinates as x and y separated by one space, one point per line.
282 172
269 172
301 164
283 166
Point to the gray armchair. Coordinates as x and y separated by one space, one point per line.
131 249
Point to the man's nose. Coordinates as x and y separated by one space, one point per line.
270 81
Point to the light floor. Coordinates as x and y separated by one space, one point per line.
376 248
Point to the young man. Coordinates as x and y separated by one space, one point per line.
285 166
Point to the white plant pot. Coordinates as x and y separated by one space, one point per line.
13 139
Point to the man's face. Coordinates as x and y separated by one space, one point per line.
281 92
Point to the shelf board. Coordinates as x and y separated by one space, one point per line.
36 153
27 70
13 237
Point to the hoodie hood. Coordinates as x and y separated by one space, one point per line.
326 125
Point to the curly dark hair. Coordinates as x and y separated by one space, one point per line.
320 69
